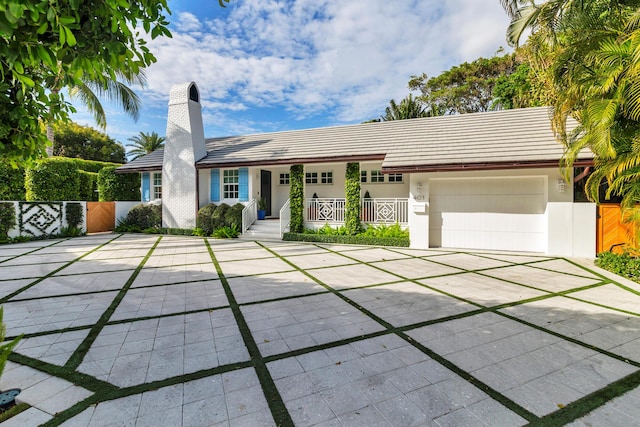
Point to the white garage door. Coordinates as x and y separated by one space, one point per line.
504 214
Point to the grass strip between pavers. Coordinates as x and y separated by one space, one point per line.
78 356
35 282
490 391
278 409
35 250
573 411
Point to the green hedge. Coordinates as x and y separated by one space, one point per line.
296 195
12 180
88 186
74 214
52 179
114 186
352 195
623 264
143 217
7 219
89 165
355 240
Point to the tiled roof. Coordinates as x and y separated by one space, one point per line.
510 137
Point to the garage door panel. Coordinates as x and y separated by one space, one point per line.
503 214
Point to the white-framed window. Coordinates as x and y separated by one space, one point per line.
376 176
395 177
157 185
326 177
363 176
311 178
284 179
230 184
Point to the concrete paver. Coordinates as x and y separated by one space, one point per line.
314 334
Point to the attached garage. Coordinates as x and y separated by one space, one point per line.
506 213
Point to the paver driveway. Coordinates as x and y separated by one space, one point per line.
169 331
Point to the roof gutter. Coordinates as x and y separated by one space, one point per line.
294 161
481 166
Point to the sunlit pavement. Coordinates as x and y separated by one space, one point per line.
147 330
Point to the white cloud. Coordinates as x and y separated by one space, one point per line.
311 57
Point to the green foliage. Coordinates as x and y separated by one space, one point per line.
356 240
12 180
465 88
74 213
203 219
5 348
199 232
90 165
114 186
409 108
144 216
145 143
70 232
262 204
7 219
296 195
52 179
233 216
352 202
88 186
386 231
74 140
624 264
515 90
226 232
217 217
47 46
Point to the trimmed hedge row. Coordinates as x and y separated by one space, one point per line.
62 178
113 186
7 220
211 217
354 240
12 180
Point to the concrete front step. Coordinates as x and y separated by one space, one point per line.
268 229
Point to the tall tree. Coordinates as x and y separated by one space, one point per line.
465 88
74 140
595 70
145 143
409 108
48 45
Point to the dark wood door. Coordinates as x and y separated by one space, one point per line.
265 188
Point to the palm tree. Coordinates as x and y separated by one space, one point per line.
409 108
90 90
145 143
596 74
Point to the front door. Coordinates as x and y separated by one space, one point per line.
265 188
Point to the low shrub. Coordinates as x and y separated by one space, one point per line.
203 219
625 264
226 232
391 231
233 216
356 240
144 216
217 217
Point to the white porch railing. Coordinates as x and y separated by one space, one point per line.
385 211
249 215
285 217
373 211
324 210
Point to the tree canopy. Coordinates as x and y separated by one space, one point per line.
46 46
145 143
83 142
589 52
465 88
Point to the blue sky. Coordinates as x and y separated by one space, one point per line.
272 65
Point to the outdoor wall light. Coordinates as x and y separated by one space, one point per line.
562 185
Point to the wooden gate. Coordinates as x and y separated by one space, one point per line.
611 232
101 216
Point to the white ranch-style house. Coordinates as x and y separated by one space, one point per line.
476 181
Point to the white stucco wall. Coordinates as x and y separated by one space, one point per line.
184 145
570 226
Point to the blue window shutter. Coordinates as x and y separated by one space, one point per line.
215 185
146 187
243 184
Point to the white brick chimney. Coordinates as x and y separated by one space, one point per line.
183 147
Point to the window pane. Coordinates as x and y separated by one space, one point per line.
327 178
376 176
363 176
230 187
